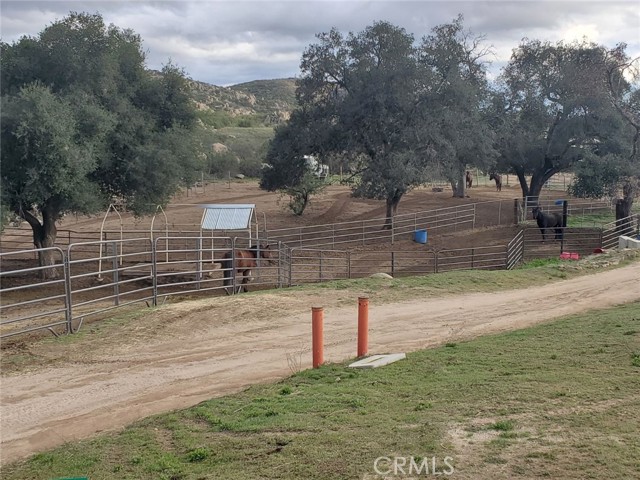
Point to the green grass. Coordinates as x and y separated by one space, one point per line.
595 219
559 400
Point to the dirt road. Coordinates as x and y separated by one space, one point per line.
185 353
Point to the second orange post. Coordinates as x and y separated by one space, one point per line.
317 334
363 326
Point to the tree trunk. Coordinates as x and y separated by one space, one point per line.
392 202
531 192
623 209
44 236
458 186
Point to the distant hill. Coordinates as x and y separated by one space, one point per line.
261 102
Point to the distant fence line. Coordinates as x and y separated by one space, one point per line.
93 278
436 221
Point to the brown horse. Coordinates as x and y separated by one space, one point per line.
469 179
498 179
243 262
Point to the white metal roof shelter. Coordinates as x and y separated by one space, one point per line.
226 217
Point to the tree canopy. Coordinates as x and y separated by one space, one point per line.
554 111
392 107
84 121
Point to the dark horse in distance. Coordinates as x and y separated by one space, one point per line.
469 177
244 261
498 179
548 220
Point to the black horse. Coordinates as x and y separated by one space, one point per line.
548 220
244 261
469 179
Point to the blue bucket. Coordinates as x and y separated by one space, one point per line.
420 236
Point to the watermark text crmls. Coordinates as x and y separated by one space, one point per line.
413 466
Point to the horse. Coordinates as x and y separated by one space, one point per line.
498 179
469 179
243 262
548 220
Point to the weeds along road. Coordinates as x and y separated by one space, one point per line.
182 354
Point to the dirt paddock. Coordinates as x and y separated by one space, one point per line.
186 352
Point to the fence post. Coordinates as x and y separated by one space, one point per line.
333 235
317 319
393 264
199 263
154 270
473 225
363 326
291 266
116 276
279 264
67 289
233 264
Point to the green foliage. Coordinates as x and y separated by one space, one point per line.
198 455
222 119
387 109
463 136
215 118
221 164
300 193
82 121
503 425
554 110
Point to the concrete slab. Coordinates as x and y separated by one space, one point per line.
375 361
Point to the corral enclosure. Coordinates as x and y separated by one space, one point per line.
151 259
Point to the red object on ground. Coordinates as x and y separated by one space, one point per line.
599 250
569 256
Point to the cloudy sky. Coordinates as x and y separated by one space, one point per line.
225 42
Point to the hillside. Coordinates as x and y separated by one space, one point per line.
261 102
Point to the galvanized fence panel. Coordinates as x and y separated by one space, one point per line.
369 231
33 298
190 264
309 265
317 265
583 241
473 258
515 250
628 226
187 265
101 283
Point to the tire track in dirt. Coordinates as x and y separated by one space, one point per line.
43 409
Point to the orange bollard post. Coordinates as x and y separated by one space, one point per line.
363 326
317 319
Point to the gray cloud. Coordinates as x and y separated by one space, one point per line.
228 42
